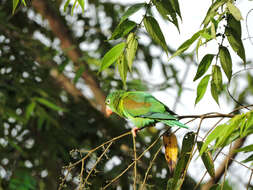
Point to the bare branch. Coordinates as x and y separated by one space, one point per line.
61 31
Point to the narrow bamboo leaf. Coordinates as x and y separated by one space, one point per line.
30 109
212 11
245 149
166 10
213 31
232 125
14 5
123 29
131 48
199 43
204 65
131 10
188 142
249 124
81 3
66 5
171 150
49 104
79 73
201 89
112 55
176 7
186 44
187 146
236 43
207 34
155 32
234 24
217 77
214 92
207 160
217 132
73 7
234 11
226 61
250 158
122 67
24 3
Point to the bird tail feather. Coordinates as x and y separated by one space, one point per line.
173 123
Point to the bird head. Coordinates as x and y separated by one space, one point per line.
109 105
112 100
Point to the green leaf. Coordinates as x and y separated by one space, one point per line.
112 55
212 11
217 77
66 5
234 11
122 67
73 7
207 34
236 43
214 92
245 149
131 10
166 10
201 89
81 3
184 157
234 24
226 61
29 110
231 126
176 7
213 30
49 104
186 44
155 32
199 43
24 3
79 73
131 48
14 5
207 160
250 158
123 29
204 65
211 137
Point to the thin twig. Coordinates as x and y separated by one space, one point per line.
135 163
94 166
149 167
250 180
130 165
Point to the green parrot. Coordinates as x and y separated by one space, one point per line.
141 108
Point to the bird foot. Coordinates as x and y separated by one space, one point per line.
134 131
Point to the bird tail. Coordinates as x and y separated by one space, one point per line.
173 123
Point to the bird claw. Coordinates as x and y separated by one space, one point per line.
134 131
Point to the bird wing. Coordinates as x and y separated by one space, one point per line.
142 104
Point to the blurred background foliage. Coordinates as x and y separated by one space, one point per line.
46 106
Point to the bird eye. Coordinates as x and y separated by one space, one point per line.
107 101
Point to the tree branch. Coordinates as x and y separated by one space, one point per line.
61 31
226 163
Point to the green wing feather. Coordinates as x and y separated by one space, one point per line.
141 103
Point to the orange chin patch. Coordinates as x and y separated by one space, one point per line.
108 111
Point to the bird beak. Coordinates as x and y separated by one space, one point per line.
108 111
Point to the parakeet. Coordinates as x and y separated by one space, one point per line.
141 108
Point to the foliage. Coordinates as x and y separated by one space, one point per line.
49 119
